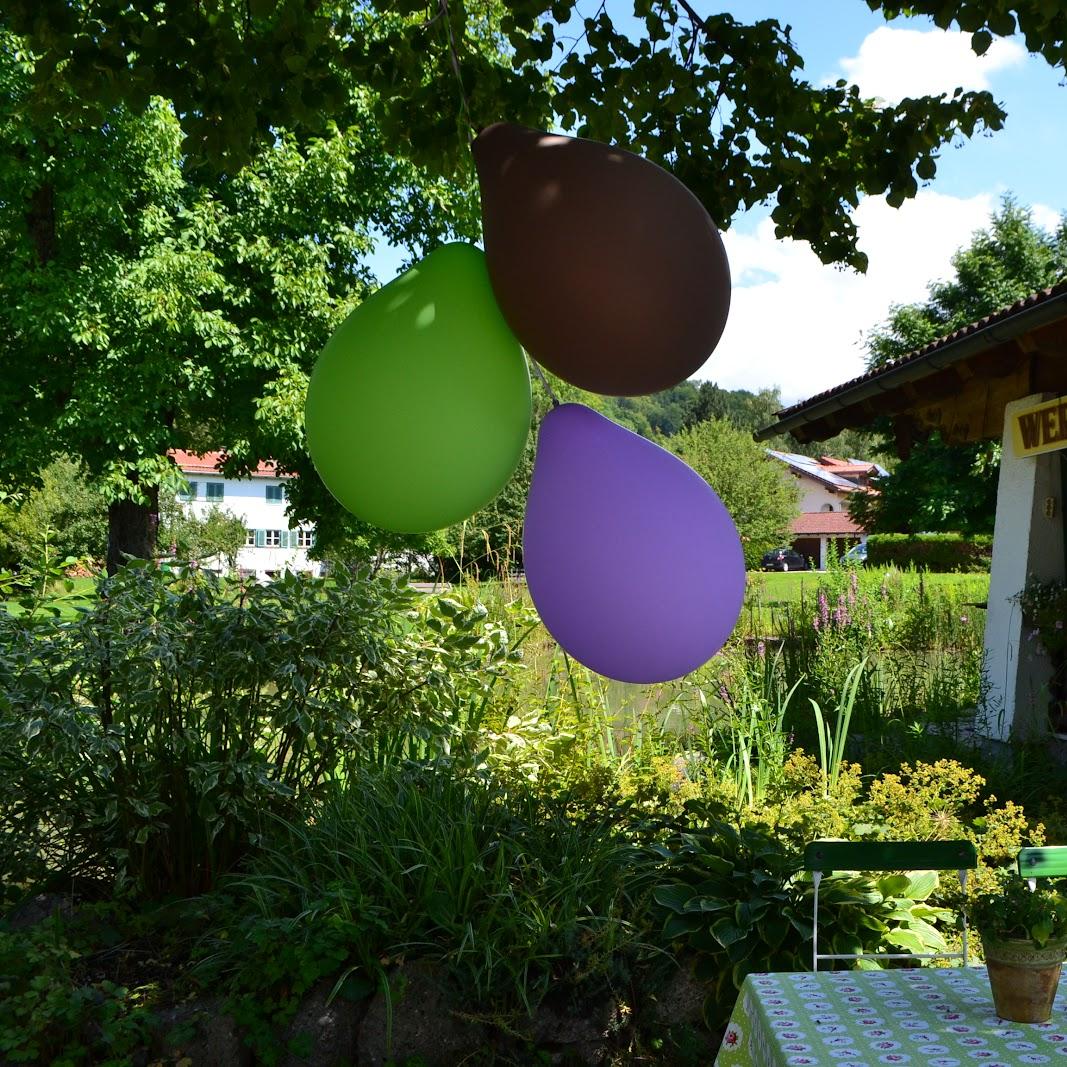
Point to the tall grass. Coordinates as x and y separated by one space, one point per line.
515 894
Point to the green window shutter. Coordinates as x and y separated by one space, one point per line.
261 538
285 539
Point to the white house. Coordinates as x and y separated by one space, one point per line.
824 524
271 547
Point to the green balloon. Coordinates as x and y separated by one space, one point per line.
419 405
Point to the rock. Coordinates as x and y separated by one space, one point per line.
35 910
681 1001
679 1009
328 1030
576 1038
201 1033
424 1022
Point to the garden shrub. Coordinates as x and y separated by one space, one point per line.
737 901
148 738
516 895
921 642
931 552
800 811
52 1009
944 800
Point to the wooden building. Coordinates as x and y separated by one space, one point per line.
993 379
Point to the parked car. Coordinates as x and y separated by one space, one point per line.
783 559
856 556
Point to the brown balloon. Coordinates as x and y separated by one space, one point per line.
608 269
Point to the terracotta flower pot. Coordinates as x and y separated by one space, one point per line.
1023 977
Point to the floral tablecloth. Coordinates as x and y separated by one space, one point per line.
931 1016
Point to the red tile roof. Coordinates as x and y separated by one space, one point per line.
847 466
209 462
825 522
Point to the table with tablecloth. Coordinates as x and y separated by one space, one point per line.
928 1016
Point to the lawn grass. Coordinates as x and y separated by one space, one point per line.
82 594
777 588
770 595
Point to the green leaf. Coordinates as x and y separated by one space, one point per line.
674 897
906 940
726 932
920 884
773 930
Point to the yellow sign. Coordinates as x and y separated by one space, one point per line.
1042 428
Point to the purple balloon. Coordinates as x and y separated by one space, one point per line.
631 558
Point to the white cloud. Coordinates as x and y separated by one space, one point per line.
1045 217
893 63
799 324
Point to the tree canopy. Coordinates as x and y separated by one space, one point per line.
146 304
761 501
188 192
720 102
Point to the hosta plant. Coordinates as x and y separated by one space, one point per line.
737 901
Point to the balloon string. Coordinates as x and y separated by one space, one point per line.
454 56
544 381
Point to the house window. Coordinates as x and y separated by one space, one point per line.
250 538
275 494
273 539
189 492
305 538
214 491
827 507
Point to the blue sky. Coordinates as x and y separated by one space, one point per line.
1028 156
799 325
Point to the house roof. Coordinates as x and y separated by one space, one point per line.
824 523
859 400
210 462
837 474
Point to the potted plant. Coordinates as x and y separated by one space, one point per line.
1024 937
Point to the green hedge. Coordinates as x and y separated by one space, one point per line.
931 552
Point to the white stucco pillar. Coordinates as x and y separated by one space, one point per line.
1026 541
823 542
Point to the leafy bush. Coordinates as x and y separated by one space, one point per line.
52 1010
65 509
931 552
149 738
186 536
921 639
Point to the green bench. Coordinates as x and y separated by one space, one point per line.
822 857
1046 862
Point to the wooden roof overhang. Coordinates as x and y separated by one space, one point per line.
958 384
